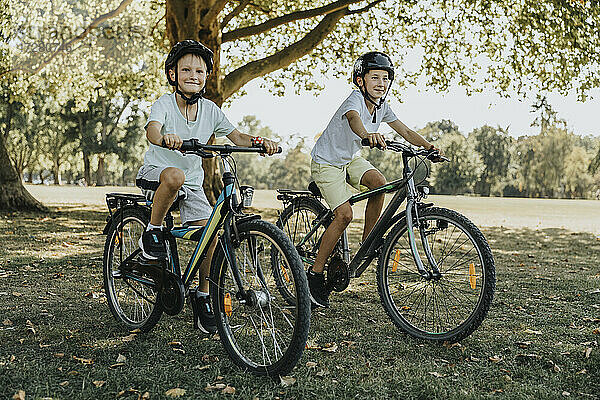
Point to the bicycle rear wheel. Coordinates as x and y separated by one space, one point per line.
131 296
449 308
262 331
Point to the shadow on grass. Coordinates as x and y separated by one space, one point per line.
59 339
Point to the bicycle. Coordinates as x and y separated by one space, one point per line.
260 331
442 297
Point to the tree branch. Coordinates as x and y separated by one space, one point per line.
284 19
236 11
95 23
238 78
213 12
365 8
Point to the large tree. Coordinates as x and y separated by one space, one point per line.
500 45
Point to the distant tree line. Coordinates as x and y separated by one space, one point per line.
105 144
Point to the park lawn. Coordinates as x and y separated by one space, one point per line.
59 340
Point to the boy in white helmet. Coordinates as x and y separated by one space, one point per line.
336 161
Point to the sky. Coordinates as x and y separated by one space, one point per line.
307 115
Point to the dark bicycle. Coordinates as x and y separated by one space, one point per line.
437 287
260 330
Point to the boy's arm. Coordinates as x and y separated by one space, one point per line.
375 139
245 140
154 136
410 135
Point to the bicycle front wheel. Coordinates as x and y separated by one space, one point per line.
449 308
131 295
260 330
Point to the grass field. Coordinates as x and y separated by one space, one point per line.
540 339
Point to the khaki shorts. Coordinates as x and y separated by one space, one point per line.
334 182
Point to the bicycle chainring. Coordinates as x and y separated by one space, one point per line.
171 294
338 274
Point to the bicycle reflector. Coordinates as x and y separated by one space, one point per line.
227 304
396 260
285 274
472 276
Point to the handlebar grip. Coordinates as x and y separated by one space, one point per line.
365 142
187 145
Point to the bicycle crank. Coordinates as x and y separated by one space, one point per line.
171 293
338 274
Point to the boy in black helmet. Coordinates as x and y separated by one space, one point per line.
336 161
166 174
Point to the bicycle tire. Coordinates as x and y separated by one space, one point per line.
265 335
134 304
448 309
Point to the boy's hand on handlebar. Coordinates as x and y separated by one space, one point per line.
270 146
376 140
171 141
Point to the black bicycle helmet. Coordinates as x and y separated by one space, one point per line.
181 49
370 61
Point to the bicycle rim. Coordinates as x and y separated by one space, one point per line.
453 306
264 333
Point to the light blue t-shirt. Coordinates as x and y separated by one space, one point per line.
209 119
338 145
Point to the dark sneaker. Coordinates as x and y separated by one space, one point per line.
204 318
152 244
318 292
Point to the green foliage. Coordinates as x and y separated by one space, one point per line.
492 146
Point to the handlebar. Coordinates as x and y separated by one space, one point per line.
431 154
193 146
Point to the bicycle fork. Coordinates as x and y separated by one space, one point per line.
412 213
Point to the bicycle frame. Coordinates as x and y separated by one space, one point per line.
368 250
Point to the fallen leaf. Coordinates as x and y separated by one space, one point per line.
201 367
20 395
566 394
321 373
583 371
330 347
532 332
523 344
588 351
113 366
287 381
129 338
175 392
7 322
596 331
59 355
495 359
145 396
128 391
216 386
99 383
30 326
17 294
436 374
527 357
85 361
311 364
64 383
121 358
228 390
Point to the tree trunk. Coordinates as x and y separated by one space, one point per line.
13 195
87 176
100 173
56 172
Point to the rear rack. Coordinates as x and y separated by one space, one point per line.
123 199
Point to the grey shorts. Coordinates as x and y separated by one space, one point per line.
193 204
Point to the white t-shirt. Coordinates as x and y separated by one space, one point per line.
338 144
209 119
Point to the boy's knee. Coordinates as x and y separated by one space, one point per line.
344 213
173 178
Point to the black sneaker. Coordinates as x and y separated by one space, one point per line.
318 292
152 244
204 318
